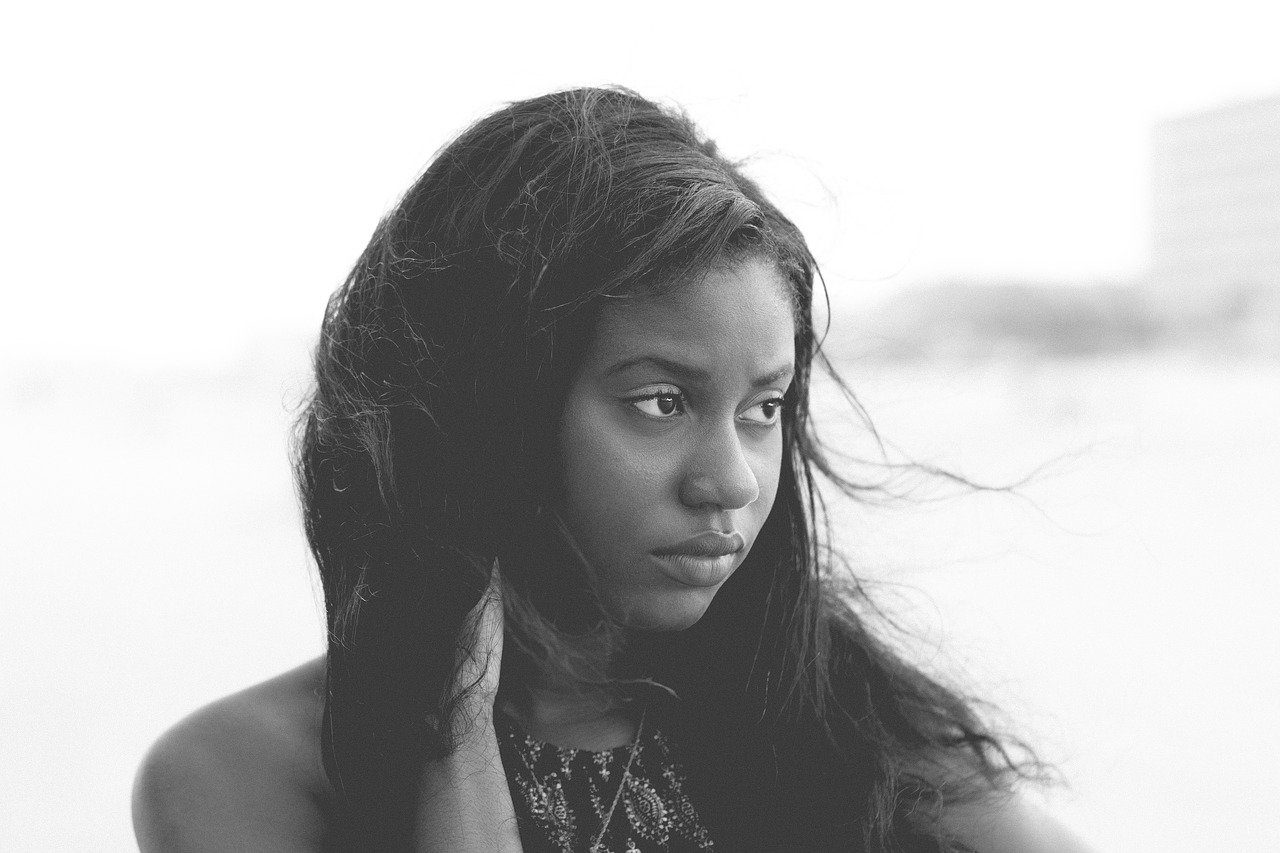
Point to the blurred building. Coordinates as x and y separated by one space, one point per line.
1216 213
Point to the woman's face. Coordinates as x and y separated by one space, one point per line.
671 440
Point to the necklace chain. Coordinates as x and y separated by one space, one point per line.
617 796
626 774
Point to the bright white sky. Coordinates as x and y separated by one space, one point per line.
181 179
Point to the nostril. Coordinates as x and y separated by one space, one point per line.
719 472
723 492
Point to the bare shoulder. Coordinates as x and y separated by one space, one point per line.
244 772
998 821
1010 823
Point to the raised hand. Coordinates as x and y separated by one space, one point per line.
479 658
465 804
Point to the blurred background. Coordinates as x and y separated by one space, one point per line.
1051 240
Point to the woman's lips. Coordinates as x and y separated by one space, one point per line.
710 543
705 560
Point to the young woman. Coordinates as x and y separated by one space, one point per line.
561 484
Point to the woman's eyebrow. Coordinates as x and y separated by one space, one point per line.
697 374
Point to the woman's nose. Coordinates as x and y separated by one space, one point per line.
718 472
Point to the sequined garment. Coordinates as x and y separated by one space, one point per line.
562 796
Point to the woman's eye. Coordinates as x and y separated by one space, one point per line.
770 411
663 405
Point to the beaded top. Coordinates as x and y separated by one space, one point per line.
562 795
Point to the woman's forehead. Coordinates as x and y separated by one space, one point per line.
738 311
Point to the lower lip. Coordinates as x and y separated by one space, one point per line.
697 571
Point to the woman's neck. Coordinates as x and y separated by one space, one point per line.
573 720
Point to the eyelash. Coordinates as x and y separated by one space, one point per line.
680 405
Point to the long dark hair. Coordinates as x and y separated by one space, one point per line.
427 456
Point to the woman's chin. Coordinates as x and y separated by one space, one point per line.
664 616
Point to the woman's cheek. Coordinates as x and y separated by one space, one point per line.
613 470
630 475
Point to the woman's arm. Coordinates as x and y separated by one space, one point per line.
465 803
